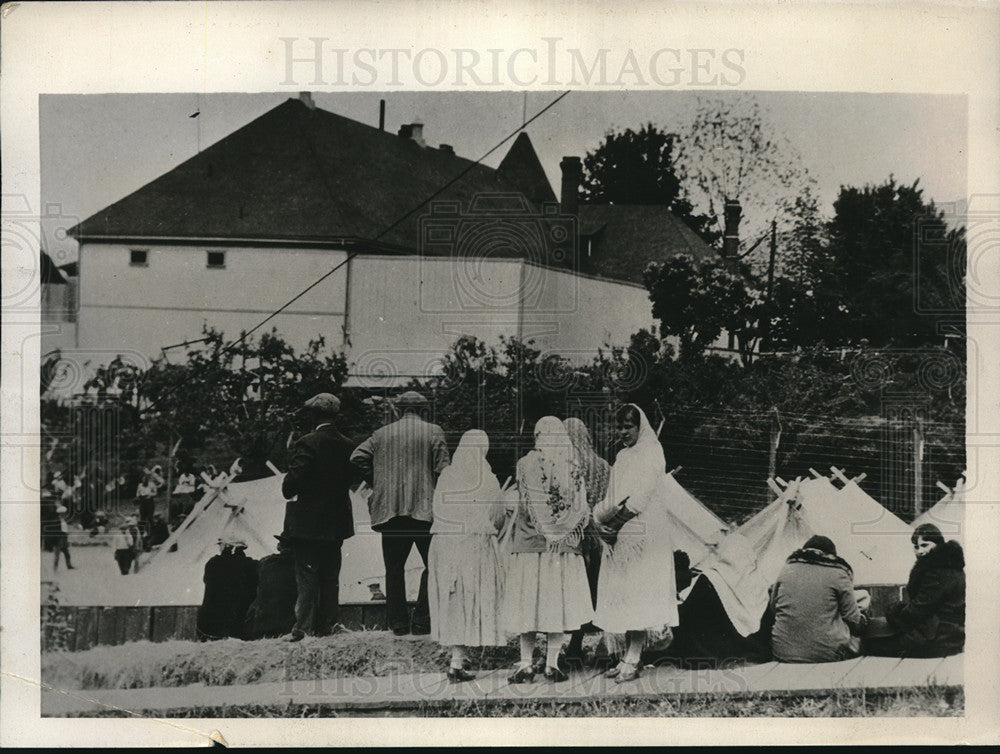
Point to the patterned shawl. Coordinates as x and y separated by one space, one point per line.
550 486
594 468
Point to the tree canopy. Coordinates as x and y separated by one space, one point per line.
639 167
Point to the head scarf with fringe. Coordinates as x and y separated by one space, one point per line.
594 468
550 486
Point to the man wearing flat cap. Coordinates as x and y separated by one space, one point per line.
401 462
318 516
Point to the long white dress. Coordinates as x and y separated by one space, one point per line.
464 583
546 582
636 588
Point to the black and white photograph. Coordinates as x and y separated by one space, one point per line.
552 379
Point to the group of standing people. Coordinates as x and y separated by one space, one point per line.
573 543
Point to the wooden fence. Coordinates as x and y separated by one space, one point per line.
81 628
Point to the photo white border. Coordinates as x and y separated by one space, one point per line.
935 48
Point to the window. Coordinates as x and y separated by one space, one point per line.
216 260
138 257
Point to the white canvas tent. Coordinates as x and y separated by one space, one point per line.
696 530
874 541
947 514
254 511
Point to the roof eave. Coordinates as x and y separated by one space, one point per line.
313 242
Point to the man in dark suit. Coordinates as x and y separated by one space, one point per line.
318 517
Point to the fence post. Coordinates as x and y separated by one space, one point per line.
772 461
918 465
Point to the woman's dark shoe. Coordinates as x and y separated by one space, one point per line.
458 675
522 675
555 675
629 672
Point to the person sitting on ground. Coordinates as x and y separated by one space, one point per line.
230 586
930 622
272 612
816 613
159 532
100 525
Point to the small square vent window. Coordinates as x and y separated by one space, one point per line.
216 259
138 257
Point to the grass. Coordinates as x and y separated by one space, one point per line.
919 702
379 653
233 662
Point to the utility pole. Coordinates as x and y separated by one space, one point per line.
770 285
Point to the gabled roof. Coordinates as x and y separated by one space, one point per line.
523 169
624 238
302 174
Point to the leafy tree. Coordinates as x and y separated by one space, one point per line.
730 152
639 167
697 300
887 251
243 398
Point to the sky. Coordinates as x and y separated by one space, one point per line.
97 149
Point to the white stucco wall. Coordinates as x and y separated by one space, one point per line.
169 300
406 311
580 314
403 311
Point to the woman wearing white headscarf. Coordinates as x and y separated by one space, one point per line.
546 587
636 596
464 585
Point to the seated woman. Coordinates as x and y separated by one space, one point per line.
815 609
930 622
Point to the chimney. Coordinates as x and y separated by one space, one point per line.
447 148
731 238
381 115
307 100
414 132
572 173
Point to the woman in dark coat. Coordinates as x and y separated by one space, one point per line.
930 622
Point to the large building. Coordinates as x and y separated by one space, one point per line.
406 247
